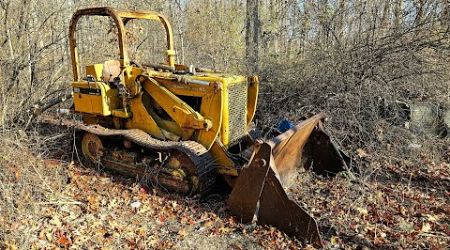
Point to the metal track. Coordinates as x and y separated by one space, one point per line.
200 157
198 154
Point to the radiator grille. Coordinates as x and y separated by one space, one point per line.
237 110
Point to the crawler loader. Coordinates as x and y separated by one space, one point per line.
182 128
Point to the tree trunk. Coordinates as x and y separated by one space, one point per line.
252 35
445 13
385 17
340 19
419 9
398 15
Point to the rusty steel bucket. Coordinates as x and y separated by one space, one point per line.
258 191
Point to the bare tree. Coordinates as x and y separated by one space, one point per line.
252 35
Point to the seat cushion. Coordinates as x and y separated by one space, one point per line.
111 70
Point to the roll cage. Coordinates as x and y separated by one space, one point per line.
121 18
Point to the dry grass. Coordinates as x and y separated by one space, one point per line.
28 184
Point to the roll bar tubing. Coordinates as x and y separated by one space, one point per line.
120 19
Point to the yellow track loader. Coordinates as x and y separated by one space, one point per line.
181 127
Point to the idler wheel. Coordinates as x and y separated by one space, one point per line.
92 148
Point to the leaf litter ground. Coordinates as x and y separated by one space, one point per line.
51 203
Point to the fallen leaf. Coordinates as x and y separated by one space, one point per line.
62 239
361 153
362 211
426 227
182 232
431 217
406 226
55 221
334 240
144 189
135 205
225 230
402 210
10 245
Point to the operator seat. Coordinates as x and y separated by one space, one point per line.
111 70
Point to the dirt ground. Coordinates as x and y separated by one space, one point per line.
51 201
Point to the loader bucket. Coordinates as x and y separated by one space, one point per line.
259 191
258 185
